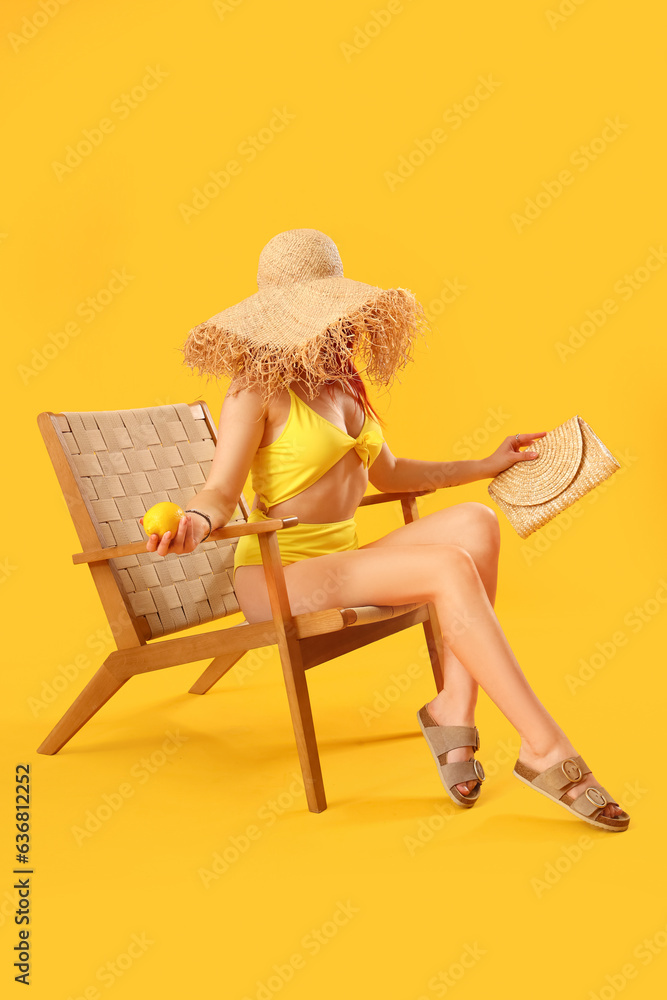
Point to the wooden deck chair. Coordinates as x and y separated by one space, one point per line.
112 466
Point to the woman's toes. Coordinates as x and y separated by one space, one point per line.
466 787
459 755
609 810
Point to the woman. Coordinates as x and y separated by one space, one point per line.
297 416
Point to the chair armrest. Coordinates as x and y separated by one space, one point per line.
229 531
384 497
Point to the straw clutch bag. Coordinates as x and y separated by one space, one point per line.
571 461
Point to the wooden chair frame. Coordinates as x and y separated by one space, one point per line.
303 640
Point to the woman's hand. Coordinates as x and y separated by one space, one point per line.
508 453
190 533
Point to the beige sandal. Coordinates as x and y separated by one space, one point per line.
555 782
442 739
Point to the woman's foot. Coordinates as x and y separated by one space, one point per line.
540 762
446 717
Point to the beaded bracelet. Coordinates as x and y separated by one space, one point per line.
191 510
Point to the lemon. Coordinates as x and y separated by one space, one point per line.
162 517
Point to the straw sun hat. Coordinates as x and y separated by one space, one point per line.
306 321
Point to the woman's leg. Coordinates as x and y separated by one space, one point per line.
445 574
474 526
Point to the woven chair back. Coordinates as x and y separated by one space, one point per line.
124 462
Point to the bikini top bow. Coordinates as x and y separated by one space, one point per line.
363 445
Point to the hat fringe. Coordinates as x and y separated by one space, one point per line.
382 331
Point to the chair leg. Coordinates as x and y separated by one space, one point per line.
294 673
216 669
304 728
96 693
434 644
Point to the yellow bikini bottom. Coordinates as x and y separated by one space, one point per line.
302 541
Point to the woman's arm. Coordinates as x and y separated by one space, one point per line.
397 475
242 422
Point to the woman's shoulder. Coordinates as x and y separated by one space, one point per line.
250 401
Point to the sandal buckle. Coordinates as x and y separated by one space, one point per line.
595 796
571 770
479 770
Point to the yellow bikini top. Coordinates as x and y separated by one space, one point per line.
308 446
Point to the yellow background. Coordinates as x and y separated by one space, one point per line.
479 881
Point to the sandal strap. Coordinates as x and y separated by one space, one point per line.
563 775
591 804
446 738
463 770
